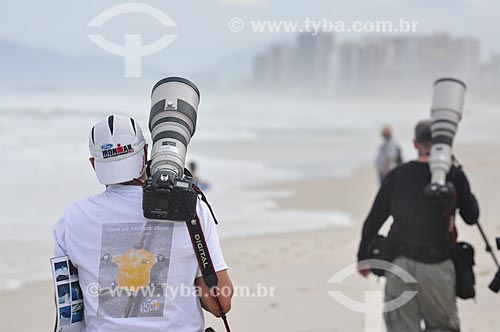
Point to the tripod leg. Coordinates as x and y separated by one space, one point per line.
488 246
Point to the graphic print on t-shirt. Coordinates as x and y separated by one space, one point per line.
133 270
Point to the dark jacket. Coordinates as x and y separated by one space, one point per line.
417 220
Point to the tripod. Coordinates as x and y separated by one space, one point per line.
495 284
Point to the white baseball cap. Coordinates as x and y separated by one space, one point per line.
117 145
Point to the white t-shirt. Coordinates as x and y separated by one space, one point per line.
136 274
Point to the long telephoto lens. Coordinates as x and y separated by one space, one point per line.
172 123
447 109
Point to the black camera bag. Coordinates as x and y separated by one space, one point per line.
463 258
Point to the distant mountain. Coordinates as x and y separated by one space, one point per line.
239 65
32 68
26 67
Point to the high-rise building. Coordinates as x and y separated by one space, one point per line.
488 79
441 55
273 69
349 67
407 64
282 65
262 69
313 61
465 58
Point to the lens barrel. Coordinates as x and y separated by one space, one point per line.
172 122
446 113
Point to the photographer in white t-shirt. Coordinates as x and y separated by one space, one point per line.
136 274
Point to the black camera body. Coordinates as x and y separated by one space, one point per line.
167 197
441 195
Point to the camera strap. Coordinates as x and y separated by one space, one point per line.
205 263
449 217
203 197
205 260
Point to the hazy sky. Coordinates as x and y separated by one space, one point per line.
202 25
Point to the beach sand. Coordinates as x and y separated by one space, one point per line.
298 265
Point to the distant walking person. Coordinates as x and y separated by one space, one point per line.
193 167
389 154
421 238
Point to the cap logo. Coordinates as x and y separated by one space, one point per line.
106 146
118 151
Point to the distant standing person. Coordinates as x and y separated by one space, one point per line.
193 167
389 154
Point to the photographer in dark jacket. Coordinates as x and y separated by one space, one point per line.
422 239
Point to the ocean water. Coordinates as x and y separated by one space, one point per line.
241 146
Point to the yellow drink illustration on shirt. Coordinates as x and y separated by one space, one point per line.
134 261
134 268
